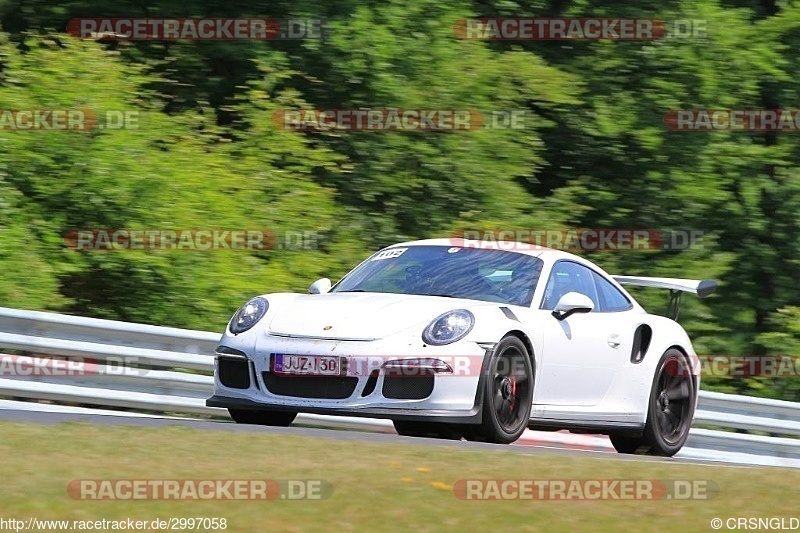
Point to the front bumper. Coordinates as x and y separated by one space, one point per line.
445 397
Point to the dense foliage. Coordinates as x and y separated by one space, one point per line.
594 154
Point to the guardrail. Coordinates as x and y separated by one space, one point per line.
169 370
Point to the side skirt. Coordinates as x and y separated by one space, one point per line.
627 428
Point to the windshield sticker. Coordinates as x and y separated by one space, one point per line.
453 250
389 254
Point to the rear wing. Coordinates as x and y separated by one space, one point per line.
676 286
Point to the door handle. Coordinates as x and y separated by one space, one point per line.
613 340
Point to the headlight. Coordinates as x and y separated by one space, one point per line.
247 315
449 327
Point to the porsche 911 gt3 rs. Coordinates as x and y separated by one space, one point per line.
468 339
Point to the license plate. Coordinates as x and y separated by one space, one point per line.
307 365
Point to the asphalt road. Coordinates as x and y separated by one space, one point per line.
38 417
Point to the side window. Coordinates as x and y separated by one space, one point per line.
565 277
611 299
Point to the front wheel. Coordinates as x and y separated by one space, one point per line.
669 412
263 418
507 394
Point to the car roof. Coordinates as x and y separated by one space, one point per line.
508 246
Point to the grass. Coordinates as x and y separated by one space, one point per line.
381 487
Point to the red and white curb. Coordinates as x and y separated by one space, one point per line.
565 439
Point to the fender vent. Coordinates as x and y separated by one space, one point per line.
641 342
509 313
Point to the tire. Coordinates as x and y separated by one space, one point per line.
625 444
507 394
670 410
262 418
409 428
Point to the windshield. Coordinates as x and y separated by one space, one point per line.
487 275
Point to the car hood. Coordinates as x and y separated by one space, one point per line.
360 316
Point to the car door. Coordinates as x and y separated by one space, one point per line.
581 353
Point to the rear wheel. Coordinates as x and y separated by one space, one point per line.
669 413
507 395
263 418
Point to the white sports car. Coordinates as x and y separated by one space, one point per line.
468 339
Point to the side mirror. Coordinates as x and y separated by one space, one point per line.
572 302
321 286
